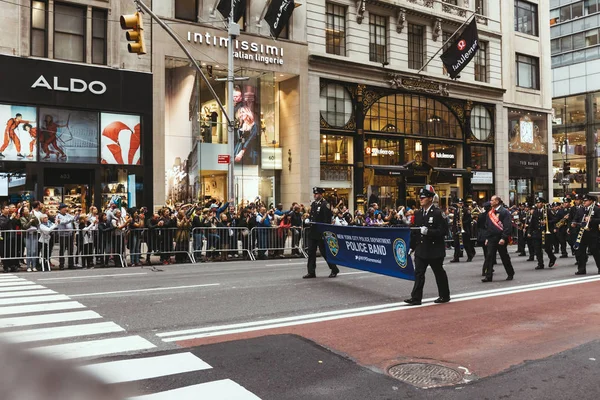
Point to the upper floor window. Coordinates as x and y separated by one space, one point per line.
335 39
69 32
415 46
186 10
592 6
336 105
39 29
481 64
377 38
528 72
481 123
480 7
526 17
99 36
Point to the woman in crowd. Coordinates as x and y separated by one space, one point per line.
30 224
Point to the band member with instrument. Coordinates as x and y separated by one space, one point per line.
587 220
461 231
562 225
520 217
427 242
540 234
499 229
527 231
573 228
554 220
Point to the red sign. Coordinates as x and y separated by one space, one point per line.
223 158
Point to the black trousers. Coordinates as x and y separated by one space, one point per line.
561 235
520 241
541 248
468 244
441 278
312 256
495 247
530 247
591 244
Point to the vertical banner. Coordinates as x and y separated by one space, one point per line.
278 14
379 250
239 8
462 50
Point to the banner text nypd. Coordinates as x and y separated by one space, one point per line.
366 244
242 49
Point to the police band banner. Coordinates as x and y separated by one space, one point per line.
379 250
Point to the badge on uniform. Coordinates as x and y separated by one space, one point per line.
319 209
431 220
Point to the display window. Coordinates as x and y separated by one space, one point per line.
528 132
121 139
382 152
481 157
444 156
20 133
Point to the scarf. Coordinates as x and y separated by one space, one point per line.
495 219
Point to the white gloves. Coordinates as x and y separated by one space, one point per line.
423 230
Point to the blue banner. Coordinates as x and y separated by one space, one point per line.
380 250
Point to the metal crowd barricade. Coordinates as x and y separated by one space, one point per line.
158 241
277 241
218 242
19 245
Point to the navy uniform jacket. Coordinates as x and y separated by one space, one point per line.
493 233
467 220
430 246
594 222
536 224
320 211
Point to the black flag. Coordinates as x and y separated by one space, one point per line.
278 15
462 50
239 6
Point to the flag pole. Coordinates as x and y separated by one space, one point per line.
447 41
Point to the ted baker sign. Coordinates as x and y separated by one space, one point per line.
73 85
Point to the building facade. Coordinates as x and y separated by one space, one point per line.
76 108
388 123
576 92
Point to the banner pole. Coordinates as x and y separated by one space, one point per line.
447 41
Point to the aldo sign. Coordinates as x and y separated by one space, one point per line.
75 85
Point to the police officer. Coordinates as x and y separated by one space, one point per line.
573 229
528 237
562 218
588 219
538 232
457 227
520 217
429 248
320 211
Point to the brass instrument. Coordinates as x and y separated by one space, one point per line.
561 223
584 228
545 221
460 223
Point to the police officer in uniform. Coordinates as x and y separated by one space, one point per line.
429 248
467 221
561 232
538 230
521 216
320 211
587 216
573 229
528 236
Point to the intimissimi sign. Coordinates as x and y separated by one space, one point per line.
243 49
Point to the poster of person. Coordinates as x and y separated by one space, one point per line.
19 125
246 146
68 136
120 142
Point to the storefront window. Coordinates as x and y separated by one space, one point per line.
481 157
413 150
336 105
528 132
442 156
575 110
382 152
334 149
560 110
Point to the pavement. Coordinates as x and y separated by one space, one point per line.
266 333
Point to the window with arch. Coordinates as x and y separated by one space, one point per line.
481 123
412 115
336 105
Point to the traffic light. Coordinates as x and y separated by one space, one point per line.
566 168
132 23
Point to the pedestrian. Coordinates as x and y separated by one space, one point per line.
320 212
30 223
46 227
498 230
66 227
429 247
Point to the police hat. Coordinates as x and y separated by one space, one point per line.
526 205
590 197
578 197
540 200
318 190
427 191
567 200
460 200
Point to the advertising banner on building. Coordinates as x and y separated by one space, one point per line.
462 50
379 250
121 140
19 125
68 136
278 14
247 144
239 8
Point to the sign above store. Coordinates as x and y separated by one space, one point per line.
482 178
434 154
75 85
243 49
223 159
375 152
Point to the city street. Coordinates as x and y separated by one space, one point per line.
257 330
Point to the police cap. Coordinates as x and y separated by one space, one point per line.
427 191
589 197
460 200
540 200
318 190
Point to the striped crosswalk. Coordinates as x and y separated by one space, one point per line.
55 325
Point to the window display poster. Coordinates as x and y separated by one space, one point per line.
247 146
120 142
68 136
19 126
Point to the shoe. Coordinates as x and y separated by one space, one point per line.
552 263
509 278
20 155
413 302
440 300
28 269
34 269
486 280
564 256
309 276
575 263
580 273
333 274
454 260
530 259
61 267
522 254
2 155
539 267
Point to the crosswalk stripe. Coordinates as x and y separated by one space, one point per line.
32 308
11 279
27 293
34 299
17 288
146 368
61 332
225 389
19 282
95 348
7 276
48 318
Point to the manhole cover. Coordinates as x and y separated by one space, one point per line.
425 375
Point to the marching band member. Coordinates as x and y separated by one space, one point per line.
586 221
461 229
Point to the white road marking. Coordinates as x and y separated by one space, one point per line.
33 308
225 389
60 332
16 288
356 312
48 318
95 348
11 279
27 293
90 276
145 368
33 299
6 276
18 282
144 290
